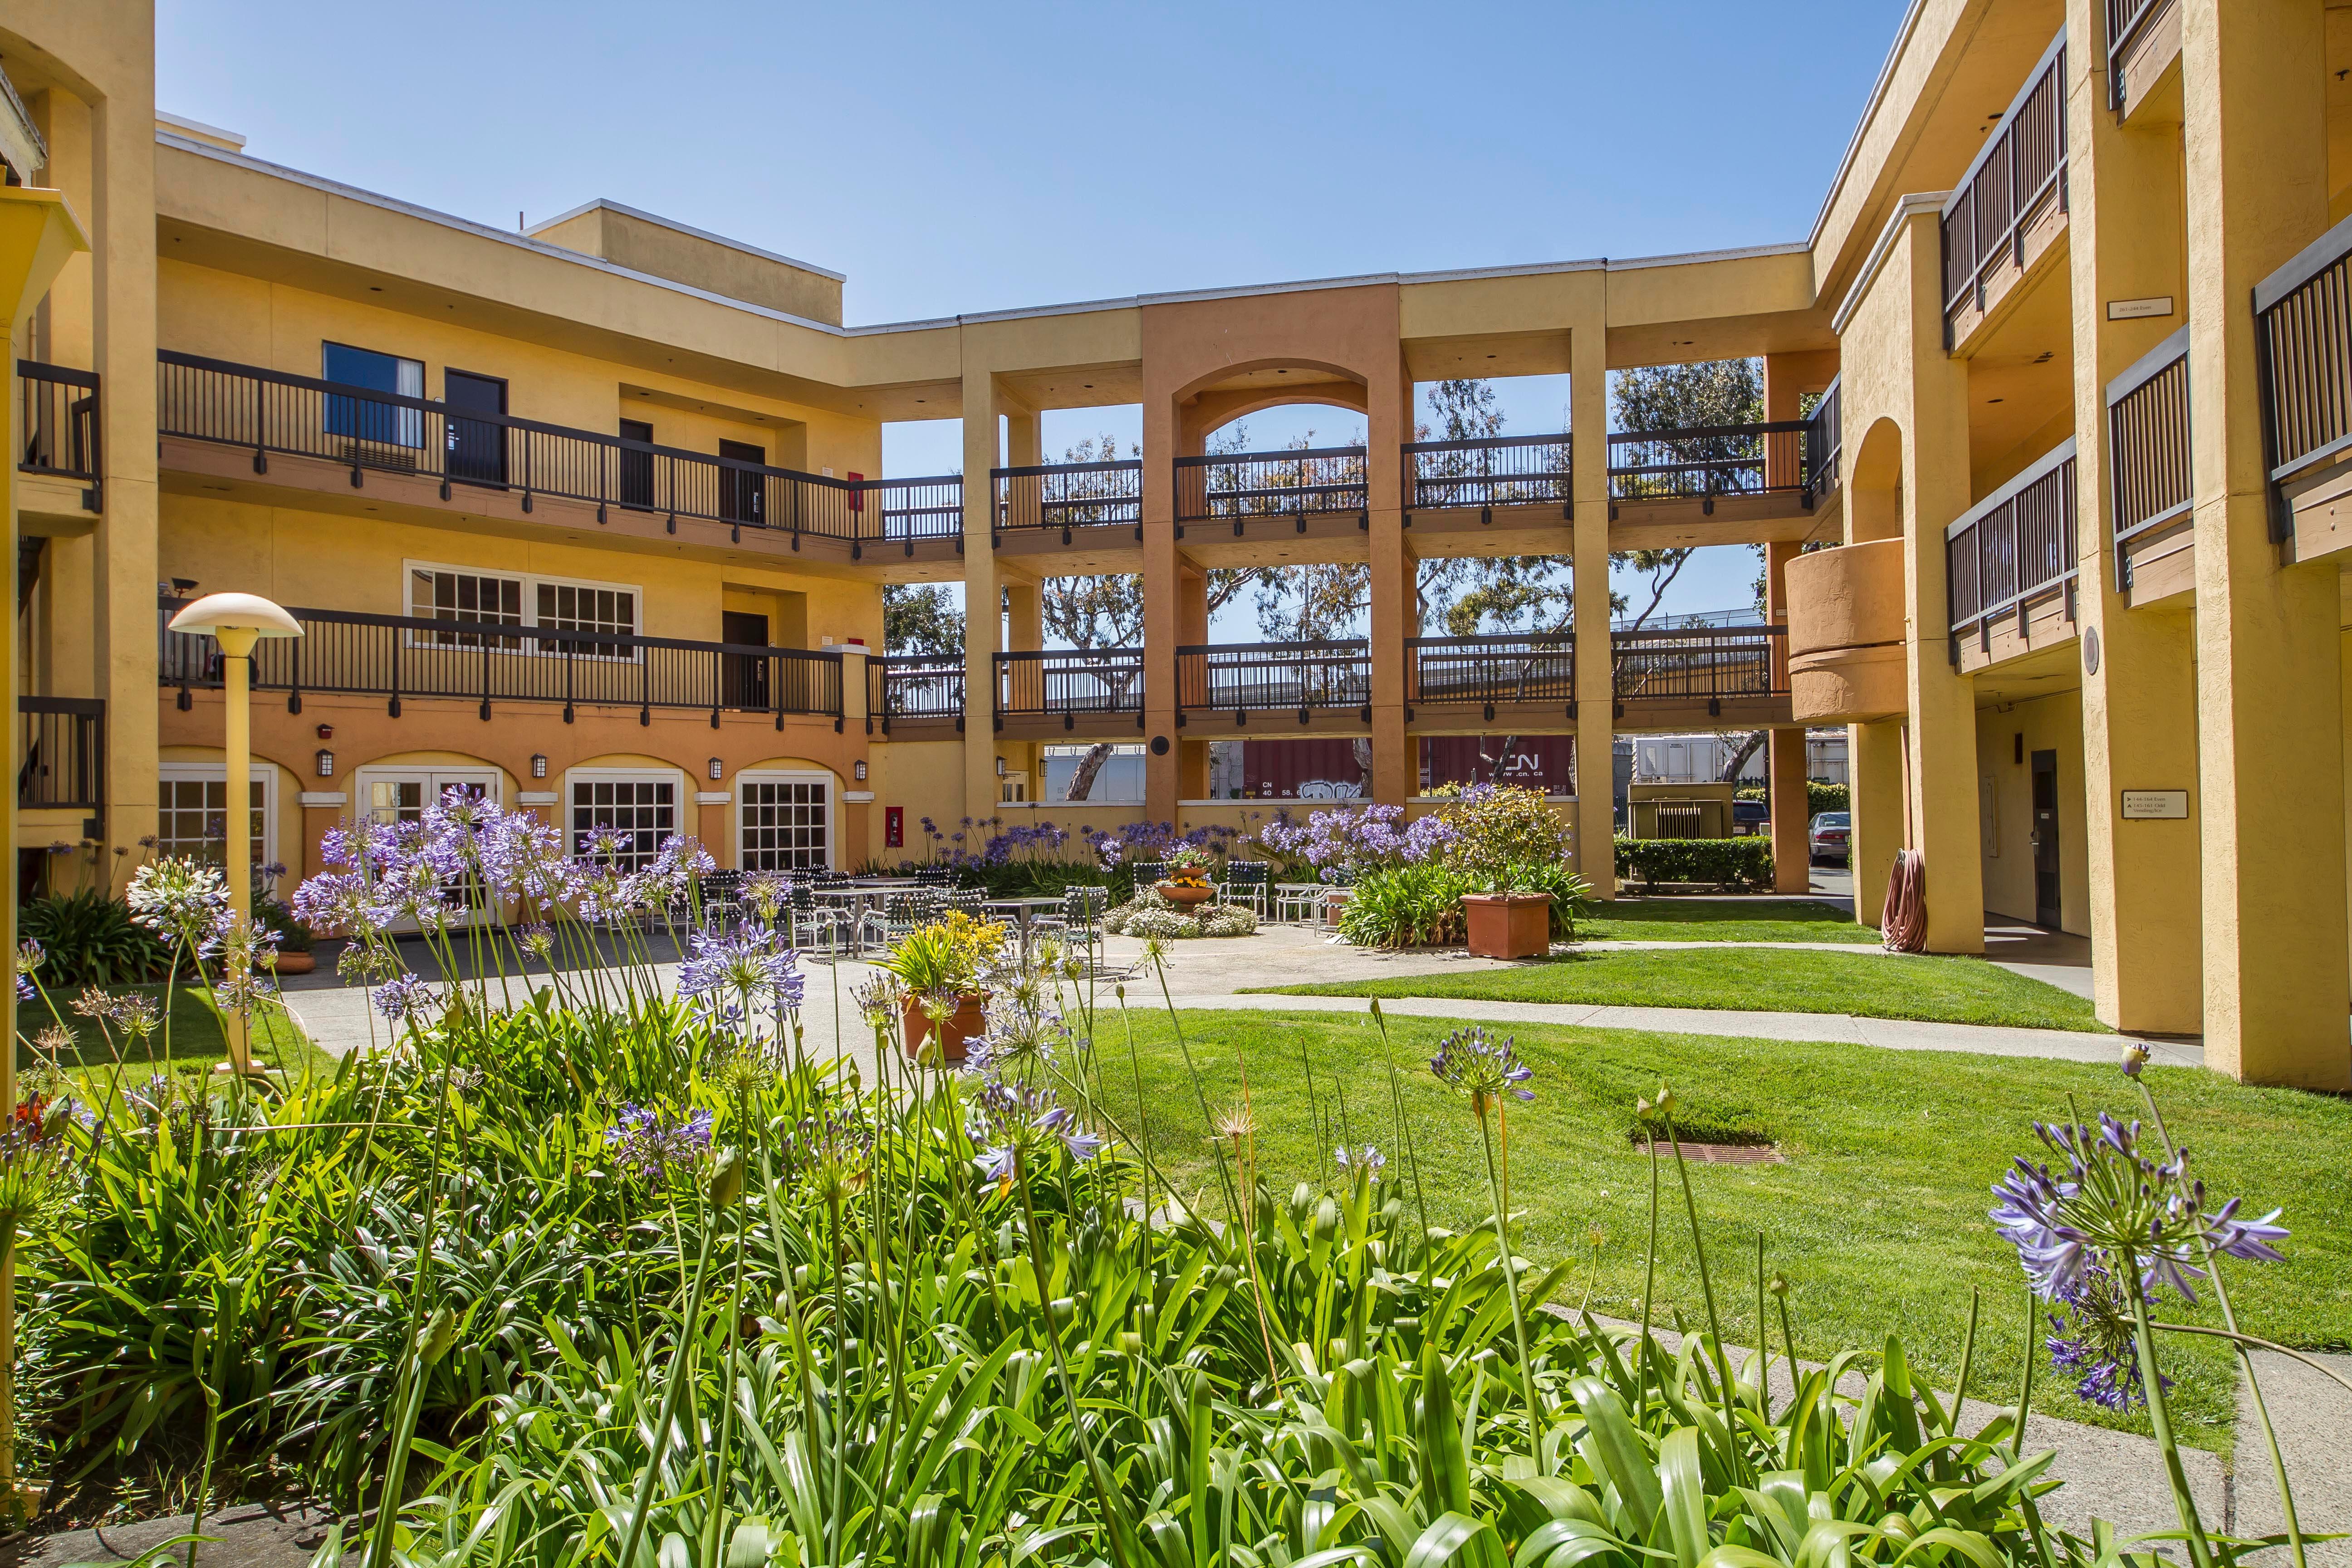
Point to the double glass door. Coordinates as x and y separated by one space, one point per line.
389 796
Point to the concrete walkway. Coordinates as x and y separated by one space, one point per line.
1211 974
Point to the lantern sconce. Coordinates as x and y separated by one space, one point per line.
1000 767
718 769
538 764
326 761
857 772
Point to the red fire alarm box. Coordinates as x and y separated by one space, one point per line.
857 503
894 827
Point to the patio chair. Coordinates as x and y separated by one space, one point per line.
1246 882
1298 903
719 895
971 901
901 913
815 928
1147 872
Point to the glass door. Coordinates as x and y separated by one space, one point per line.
390 795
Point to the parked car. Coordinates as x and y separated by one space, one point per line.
1831 837
1750 817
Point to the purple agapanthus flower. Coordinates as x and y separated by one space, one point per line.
1007 1119
642 1139
1367 1162
404 997
2107 1199
1481 1067
730 976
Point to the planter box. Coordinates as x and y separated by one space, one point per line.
970 1019
295 962
1508 925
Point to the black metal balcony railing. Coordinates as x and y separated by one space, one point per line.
2125 18
2020 171
1708 461
915 686
60 421
1712 662
1296 676
1242 486
1511 667
1490 472
1069 495
271 412
1066 683
399 657
1824 441
2012 547
64 743
2302 345
2147 446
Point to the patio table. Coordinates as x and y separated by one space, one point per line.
1023 912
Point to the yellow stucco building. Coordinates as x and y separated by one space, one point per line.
2055 488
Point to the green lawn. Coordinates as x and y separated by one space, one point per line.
1877 1218
1757 979
1721 920
196 1038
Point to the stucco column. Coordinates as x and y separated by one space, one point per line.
1790 802
123 283
1874 751
2269 658
1596 690
1163 614
1025 613
64 653
982 590
2139 715
1939 760
1392 612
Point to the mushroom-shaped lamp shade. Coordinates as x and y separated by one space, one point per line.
216 613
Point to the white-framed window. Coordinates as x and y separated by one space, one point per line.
784 821
643 804
439 593
191 813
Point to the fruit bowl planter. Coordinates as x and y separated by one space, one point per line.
970 1019
1508 925
1185 894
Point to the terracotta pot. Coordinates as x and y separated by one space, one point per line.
295 962
970 1019
1179 893
1510 925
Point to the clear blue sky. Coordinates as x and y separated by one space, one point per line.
962 158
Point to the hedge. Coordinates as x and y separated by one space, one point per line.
1820 797
1714 862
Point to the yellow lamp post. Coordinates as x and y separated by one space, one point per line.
238 622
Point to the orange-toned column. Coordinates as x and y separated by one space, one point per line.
1791 854
1393 612
1596 687
1162 631
2269 656
982 592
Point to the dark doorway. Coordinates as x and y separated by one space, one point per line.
636 474
741 492
746 676
2045 839
478 447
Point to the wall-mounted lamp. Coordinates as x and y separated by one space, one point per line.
326 761
717 768
1000 767
538 764
857 772
326 731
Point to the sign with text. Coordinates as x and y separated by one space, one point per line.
2155 805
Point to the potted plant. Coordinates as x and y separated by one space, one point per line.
1187 882
1509 921
944 958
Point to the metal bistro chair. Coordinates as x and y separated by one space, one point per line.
973 901
1246 882
902 910
1081 920
1148 872
815 928
720 893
